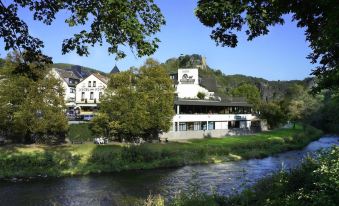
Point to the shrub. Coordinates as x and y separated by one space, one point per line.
139 154
201 95
80 132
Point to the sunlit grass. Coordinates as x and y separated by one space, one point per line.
68 159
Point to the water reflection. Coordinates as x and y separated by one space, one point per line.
109 189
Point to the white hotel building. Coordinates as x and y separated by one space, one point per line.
208 117
88 94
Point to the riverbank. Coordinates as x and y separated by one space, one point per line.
314 182
34 161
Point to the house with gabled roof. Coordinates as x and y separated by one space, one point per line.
88 94
68 81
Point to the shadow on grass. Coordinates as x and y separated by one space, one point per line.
28 161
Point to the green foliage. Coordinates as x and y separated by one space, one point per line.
268 90
90 158
16 164
32 104
319 17
197 199
67 66
326 117
273 113
190 61
249 91
299 104
118 22
201 95
314 183
80 132
137 104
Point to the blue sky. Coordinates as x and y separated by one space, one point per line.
280 55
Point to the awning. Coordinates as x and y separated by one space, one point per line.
87 105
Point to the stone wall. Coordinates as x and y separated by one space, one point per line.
181 135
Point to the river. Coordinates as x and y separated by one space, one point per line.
110 189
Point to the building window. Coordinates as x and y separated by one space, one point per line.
197 126
89 83
82 95
182 126
211 125
72 90
94 83
100 94
91 96
203 125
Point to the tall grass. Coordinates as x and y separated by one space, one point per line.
89 158
80 132
314 183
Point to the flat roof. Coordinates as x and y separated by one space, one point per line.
197 102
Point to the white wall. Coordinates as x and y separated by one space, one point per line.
182 135
68 94
211 117
188 86
191 73
221 125
83 86
190 91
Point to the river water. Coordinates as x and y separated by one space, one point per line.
110 189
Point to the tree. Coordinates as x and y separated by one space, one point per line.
326 117
320 18
138 103
250 92
156 87
31 110
299 104
273 113
118 22
123 107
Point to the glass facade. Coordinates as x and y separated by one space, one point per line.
197 109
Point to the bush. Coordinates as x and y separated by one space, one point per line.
80 132
139 154
201 95
36 163
315 182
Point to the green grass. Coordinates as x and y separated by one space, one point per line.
80 132
33 160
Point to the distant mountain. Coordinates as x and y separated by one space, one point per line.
269 90
69 66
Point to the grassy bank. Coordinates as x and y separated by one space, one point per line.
314 183
34 160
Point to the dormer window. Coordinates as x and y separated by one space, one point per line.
94 83
89 83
